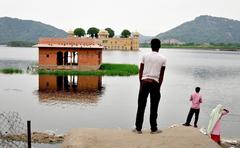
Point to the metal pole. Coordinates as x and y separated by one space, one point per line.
29 133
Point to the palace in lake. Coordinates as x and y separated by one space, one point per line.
71 53
81 53
117 43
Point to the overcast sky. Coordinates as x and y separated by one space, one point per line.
149 17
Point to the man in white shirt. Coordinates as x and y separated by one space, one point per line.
151 75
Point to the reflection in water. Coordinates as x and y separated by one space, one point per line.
70 89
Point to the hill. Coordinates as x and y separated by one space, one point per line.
13 29
205 29
144 39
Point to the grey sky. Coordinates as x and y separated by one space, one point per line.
149 17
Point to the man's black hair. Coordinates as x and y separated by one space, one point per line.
155 44
197 89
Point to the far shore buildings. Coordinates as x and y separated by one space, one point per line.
71 53
117 43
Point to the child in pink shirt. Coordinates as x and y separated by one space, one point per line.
214 126
196 99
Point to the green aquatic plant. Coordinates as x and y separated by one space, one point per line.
11 70
104 70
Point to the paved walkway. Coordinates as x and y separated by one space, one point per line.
177 137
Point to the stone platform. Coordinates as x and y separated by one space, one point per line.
176 137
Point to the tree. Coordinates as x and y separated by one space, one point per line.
125 33
111 32
79 32
93 32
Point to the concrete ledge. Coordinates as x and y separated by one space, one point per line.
177 137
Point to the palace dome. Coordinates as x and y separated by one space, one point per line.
135 33
70 32
103 32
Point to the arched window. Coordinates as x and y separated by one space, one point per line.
75 58
59 58
65 58
69 58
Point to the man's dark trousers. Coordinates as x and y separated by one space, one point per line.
153 88
190 114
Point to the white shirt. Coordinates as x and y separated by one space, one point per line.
153 63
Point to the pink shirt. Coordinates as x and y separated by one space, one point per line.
196 99
217 127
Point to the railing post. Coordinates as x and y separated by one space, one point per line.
29 133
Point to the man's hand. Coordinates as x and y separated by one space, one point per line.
141 72
226 110
161 75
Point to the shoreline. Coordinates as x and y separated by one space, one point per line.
194 48
220 47
202 47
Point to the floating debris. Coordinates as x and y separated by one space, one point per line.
203 131
174 125
230 143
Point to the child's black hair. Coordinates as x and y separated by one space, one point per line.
197 89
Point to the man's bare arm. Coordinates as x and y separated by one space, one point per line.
141 71
161 75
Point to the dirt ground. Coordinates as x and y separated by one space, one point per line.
176 137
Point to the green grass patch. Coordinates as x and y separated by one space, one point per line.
11 70
105 70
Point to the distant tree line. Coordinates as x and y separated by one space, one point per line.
221 46
20 44
93 32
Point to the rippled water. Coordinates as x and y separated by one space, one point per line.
111 102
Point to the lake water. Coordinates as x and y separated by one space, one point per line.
111 102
